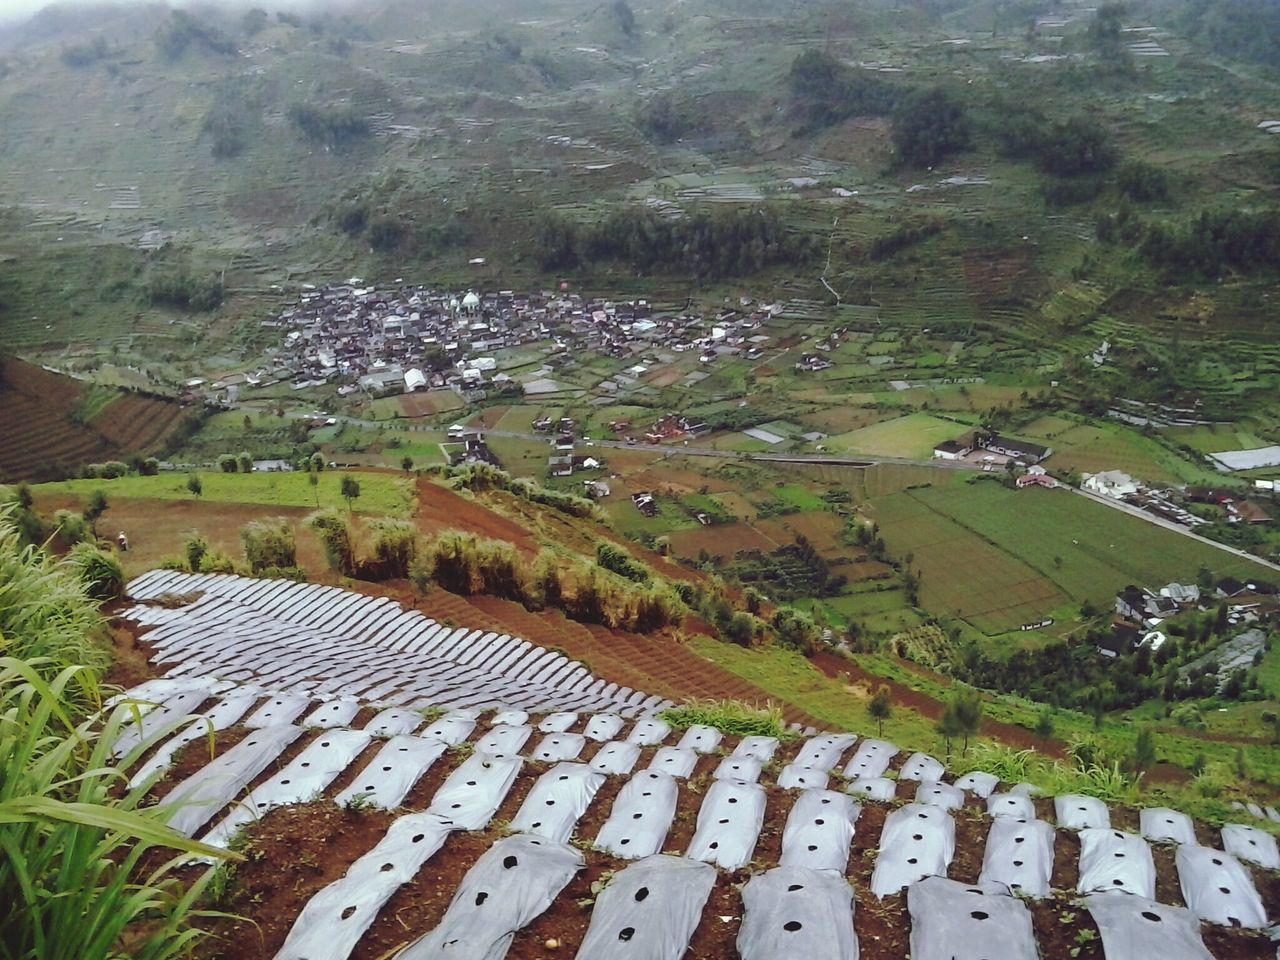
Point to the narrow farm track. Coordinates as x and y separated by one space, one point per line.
660 667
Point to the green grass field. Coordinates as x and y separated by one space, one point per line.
1216 439
382 494
1091 448
913 437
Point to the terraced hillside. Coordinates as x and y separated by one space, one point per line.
396 790
51 425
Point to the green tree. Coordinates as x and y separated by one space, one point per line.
880 708
23 498
406 463
228 463
966 705
195 485
1144 750
317 462
244 462
1044 725
350 490
929 125
94 510
948 726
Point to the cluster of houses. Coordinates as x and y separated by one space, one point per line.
1174 504
1141 611
404 338
988 447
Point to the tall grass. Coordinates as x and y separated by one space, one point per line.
1085 773
85 873
45 612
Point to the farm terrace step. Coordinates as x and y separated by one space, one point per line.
915 846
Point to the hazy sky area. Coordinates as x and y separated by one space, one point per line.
11 10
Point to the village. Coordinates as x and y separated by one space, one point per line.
405 338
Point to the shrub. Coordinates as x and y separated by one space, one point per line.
71 527
335 536
269 543
194 548
395 547
101 574
621 563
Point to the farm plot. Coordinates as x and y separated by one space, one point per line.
42 432
429 404
912 437
961 573
1091 448
1089 551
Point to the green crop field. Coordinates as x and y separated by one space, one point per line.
976 542
382 494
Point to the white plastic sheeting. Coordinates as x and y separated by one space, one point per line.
335 919
871 760
197 799
394 722
649 732
1011 805
558 798
335 713
700 739
1166 826
511 884
147 724
729 822
641 816
955 921
921 766
762 748
938 794
387 779
791 912
1135 928
979 783
473 792
917 841
285 708
1115 860
880 789
1218 888
824 752
795 777
746 769
452 728
302 780
1075 812
510 718
616 757
1019 854
558 746
222 715
558 722
819 831
603 727
1251 844
649 910
504 740
675 761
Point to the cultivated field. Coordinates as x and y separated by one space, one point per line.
913 436
999 557
51 424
